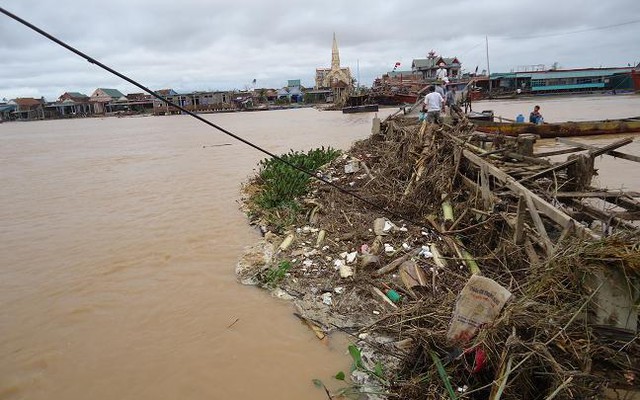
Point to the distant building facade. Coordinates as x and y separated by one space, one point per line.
103 100
28 108
206 101
428 67
336 78
292 92
70 104
564 80
7 110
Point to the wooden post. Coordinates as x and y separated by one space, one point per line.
518 235
580 172
525 144
484 187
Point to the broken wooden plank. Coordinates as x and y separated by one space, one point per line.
474 187
542 205
521 157
496 151
396 263
600 215
613 153
599 194
484 187
518 235
628 215
558 152
318 331
531 253
382 296
566 232
542 231
593 153
621 199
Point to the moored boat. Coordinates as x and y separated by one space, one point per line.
561 129
359 103
394 98
361 108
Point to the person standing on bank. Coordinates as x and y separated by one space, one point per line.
441 72
454 109
433 104
439 89
535 117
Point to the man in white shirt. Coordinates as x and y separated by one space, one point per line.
441 73
433 104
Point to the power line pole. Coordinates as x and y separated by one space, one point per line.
486 38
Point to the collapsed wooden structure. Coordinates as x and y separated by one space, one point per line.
452 204
553 199
559 191
544 203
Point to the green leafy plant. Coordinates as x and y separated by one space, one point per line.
279 185
358 364
356 355
282 183
274 275
353 390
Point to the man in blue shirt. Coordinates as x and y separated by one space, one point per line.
535 117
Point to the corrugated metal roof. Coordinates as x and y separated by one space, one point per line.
583 73
423 62
503 75
449 61
112 92
28 102
433 62
568 87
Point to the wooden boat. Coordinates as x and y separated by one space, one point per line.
360 109
394 98
359 103
561 129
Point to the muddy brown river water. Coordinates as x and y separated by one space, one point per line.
118 242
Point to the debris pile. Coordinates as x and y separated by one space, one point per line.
463 281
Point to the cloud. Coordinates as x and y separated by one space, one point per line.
198 44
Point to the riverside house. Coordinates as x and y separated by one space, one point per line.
69 104
427 67
105 100
208 101
28 108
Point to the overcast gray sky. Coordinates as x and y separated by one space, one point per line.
221 45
